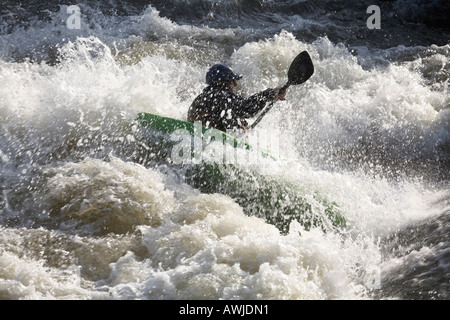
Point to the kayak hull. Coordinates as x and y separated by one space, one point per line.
278 202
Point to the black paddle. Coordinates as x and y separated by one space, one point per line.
301 70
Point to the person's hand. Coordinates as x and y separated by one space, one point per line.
280 95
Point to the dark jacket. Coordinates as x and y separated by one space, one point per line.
217 107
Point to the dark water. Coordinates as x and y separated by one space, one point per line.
93 208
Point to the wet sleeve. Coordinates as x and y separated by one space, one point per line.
248 107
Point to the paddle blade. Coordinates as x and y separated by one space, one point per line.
301 69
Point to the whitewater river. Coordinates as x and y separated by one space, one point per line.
92 206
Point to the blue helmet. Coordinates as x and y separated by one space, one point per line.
220 72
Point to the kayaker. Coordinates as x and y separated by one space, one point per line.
220 107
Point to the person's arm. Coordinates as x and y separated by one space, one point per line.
248 107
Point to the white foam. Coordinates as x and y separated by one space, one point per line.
192 245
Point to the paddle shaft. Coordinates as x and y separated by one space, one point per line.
267 109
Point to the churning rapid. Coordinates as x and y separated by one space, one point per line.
92 207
